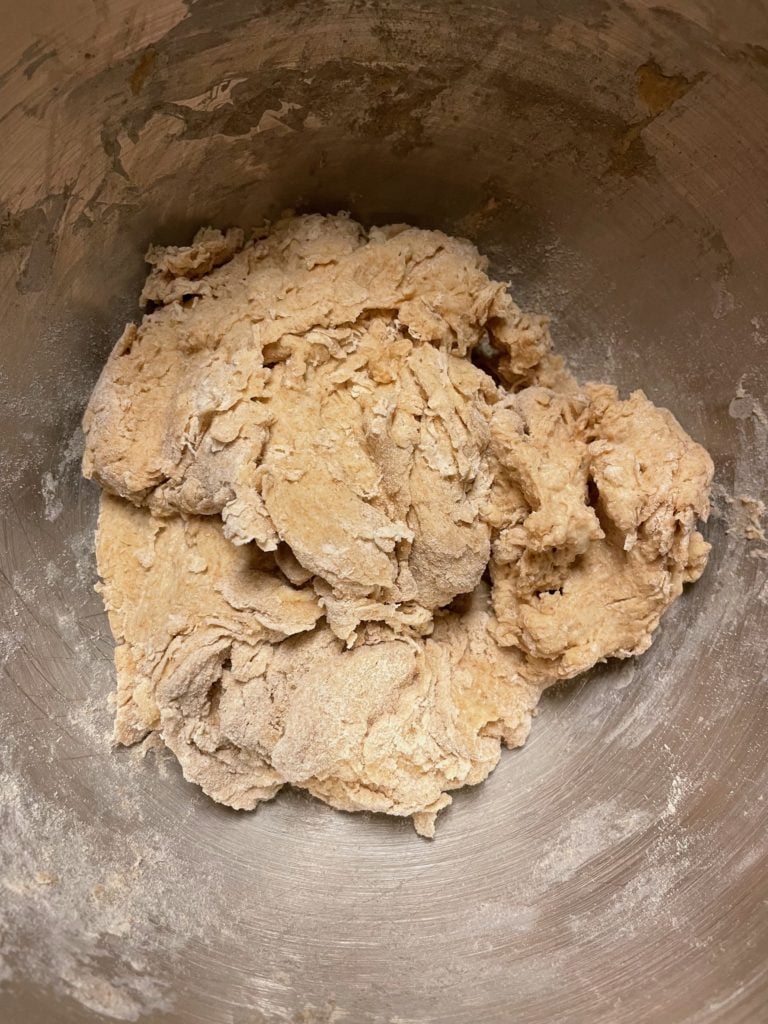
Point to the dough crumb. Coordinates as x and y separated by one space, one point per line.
747 518
357 515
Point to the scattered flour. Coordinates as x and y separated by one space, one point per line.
68 462
677 791
580 840
67 904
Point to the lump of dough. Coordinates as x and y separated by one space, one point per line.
228 663
594 509
357 514
375 483
175 591
311 388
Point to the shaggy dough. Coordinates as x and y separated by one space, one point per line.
594 507
250 691
306 479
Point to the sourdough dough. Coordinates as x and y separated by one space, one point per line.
338 554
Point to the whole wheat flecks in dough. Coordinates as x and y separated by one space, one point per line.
338 554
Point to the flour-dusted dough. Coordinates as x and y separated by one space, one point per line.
594 508
230 663
314 391
307 481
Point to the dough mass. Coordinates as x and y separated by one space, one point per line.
336 552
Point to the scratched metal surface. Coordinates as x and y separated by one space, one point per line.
612 158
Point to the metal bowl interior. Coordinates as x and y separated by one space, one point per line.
612 160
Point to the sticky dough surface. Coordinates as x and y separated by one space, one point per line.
336 552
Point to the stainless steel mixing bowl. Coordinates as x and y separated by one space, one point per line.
612 159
